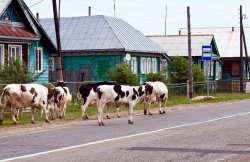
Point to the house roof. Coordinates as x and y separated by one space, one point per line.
32 27
227 38
3 5
177 45
7 31
95 33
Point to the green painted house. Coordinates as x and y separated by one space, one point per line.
177 45
91 45
21 36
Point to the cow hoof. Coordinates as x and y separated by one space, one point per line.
101 124
85 117
130 122
160 112
119 116
47 121
108 117
164 112
60 117
150 113
15 123
32 122
145 112
1 122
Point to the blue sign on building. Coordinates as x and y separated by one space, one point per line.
207 53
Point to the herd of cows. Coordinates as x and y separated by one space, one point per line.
55 100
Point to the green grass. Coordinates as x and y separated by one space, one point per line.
74 110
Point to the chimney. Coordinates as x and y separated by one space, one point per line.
179 32
37 16
232 29
89 10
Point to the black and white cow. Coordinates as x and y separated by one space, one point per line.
18 96
58 100
155 91
87 92
119 95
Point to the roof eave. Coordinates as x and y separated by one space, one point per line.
21 38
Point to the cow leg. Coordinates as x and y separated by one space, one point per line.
149 106
159 104
145 108
100 117
84 114
130 113
164 102
46 114
64 110
118 112
2 109
108 109
13 113
32 115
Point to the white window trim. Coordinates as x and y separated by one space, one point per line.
143 65
2 56
21 50
154 65
134 65
39 49
149 65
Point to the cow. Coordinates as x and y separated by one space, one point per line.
155 91
18 96
58 100
119 95
87 92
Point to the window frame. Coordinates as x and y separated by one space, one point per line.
154 65
143 65
2 55
51 63
40 61
149 65
134 65
15 46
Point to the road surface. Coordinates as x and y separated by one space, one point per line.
210 132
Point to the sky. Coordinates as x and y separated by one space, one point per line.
148 16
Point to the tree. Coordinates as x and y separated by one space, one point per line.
178 71
16 72
123 75
156 77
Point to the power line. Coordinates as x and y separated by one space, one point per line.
36 3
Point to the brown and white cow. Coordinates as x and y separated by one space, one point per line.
18 96
58 100
155 91
119 95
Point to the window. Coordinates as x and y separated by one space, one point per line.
154 65
134 65
143 65
51 64
1 54
149 65
15 51
39 59
6 17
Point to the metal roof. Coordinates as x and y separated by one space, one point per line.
8 31
177 45
99 33
227 39
3 5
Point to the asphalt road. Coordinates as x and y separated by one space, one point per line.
216 132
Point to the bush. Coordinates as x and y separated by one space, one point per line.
123 75
17 72
178 71
156 77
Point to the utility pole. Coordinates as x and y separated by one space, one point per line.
59 74
241 51
190 73
166 15
114 8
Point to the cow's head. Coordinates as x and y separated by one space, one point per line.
148 89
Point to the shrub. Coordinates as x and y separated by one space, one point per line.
156 77
178 71
17 72
123 75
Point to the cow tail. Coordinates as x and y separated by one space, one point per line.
2 96
79 96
